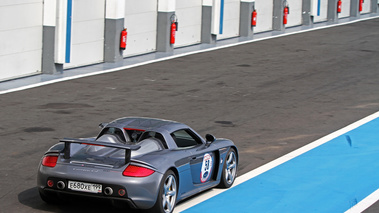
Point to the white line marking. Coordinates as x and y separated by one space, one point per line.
178 56
364 204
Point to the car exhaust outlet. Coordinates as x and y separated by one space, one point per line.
61 185
108 191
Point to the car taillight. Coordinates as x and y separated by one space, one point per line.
137 171
49 161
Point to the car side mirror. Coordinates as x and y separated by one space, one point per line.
102 125
209 138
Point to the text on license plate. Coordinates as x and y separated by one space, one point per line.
84 187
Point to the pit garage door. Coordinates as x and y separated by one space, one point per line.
366 7
21 38
231 19
295 16
189 22
345 9
141 24
87 37
264 18
322 11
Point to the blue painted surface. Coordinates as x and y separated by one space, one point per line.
330 178
318 7
68 31
222 17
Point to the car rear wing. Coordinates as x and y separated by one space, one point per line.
68 141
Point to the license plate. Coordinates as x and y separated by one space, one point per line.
84 187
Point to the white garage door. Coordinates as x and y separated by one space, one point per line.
264 15
87 37
345 12
296 10
366 6
322 11
231 19
141 24
189 22
21 38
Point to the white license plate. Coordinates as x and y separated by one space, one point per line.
84 187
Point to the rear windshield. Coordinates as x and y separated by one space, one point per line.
113 131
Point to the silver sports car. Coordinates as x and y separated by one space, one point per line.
147 163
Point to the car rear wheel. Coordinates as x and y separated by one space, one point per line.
167 193
229 170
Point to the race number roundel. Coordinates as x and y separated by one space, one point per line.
206 168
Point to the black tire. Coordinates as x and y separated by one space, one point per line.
168 191
229 170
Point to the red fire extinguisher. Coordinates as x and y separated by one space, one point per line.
124 34
285 14
172 34
339 6
254 18
174 28
360 5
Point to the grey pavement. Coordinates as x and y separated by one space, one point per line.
270 97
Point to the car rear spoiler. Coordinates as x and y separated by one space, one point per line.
68 141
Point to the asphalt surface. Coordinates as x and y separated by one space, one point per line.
269 97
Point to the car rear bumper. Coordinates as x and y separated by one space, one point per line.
140 193
59 193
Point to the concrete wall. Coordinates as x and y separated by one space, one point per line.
52 35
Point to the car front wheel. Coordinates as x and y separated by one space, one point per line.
229 170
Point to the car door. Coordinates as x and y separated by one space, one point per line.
202 164
202 159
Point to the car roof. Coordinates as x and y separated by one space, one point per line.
147 124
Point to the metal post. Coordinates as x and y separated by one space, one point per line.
246 11
277 21
332 11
